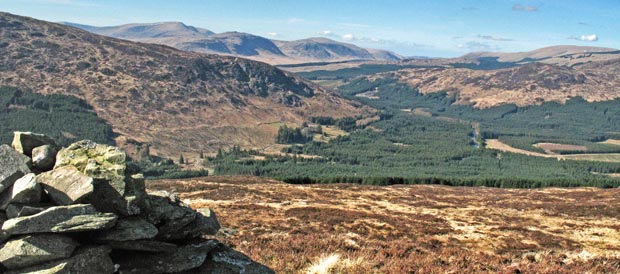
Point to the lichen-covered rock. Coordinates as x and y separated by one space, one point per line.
24 142
86 260
26 190
44 157
95 160
184 258
13 165
128 229
107 166
66 185
58 219
225 260
35 249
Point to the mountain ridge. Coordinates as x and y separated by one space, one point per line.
253 46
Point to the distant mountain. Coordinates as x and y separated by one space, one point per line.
327 49
245 45
176 101
540 54
525 78
147 31
232 43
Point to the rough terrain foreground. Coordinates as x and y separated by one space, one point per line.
411 229
84 210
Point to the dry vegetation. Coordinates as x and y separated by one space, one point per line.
178 102
412 229
596 157
553 148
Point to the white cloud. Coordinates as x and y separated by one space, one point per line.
348 37
585 38
326 32
272 34
525 8
478 46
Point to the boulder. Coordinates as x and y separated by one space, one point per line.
86 260
35 249
169 216
44 157
143 245
66 185
24 142
128 229
107 166
13 165
205 223
184 258
58 219
26 190
225 260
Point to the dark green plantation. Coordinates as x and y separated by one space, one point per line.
441 148
64 118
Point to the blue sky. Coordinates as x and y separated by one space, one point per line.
423 28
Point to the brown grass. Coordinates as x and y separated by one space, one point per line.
411 229
595 157
552 148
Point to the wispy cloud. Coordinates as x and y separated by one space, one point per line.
272 34
349 37
372 41
583 23
478 46
328 33
494 38
525 8
585 38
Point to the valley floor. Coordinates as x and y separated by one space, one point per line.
411 229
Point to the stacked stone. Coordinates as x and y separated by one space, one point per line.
79 210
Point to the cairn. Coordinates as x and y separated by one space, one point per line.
81 210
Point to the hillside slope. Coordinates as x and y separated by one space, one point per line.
240 44
174 100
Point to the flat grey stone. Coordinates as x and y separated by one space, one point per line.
35 249
14 165
58 219
66 185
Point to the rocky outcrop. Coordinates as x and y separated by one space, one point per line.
89 215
